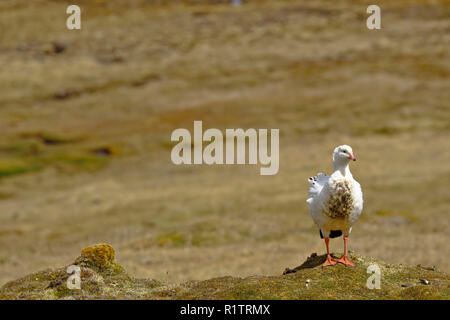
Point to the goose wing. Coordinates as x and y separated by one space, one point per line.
317 184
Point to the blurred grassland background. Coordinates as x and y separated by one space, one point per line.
86 118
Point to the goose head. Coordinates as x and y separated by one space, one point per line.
342 155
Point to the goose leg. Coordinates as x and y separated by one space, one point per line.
329 261
345 259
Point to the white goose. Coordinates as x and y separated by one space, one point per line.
336 202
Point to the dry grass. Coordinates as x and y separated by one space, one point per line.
137 71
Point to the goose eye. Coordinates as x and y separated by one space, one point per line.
344 151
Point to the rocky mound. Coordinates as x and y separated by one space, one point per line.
102 278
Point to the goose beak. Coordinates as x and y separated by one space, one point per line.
352 157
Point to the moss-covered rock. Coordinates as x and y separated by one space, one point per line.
102 278
99 257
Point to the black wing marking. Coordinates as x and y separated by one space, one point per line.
333 233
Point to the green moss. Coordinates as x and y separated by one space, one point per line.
24 154
309 281
12 167
338 282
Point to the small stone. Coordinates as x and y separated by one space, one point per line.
408 285
424 281
308 281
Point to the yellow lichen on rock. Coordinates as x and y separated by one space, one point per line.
99 256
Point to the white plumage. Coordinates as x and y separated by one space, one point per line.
336 201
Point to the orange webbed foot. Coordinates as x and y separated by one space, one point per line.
329 262
346 261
